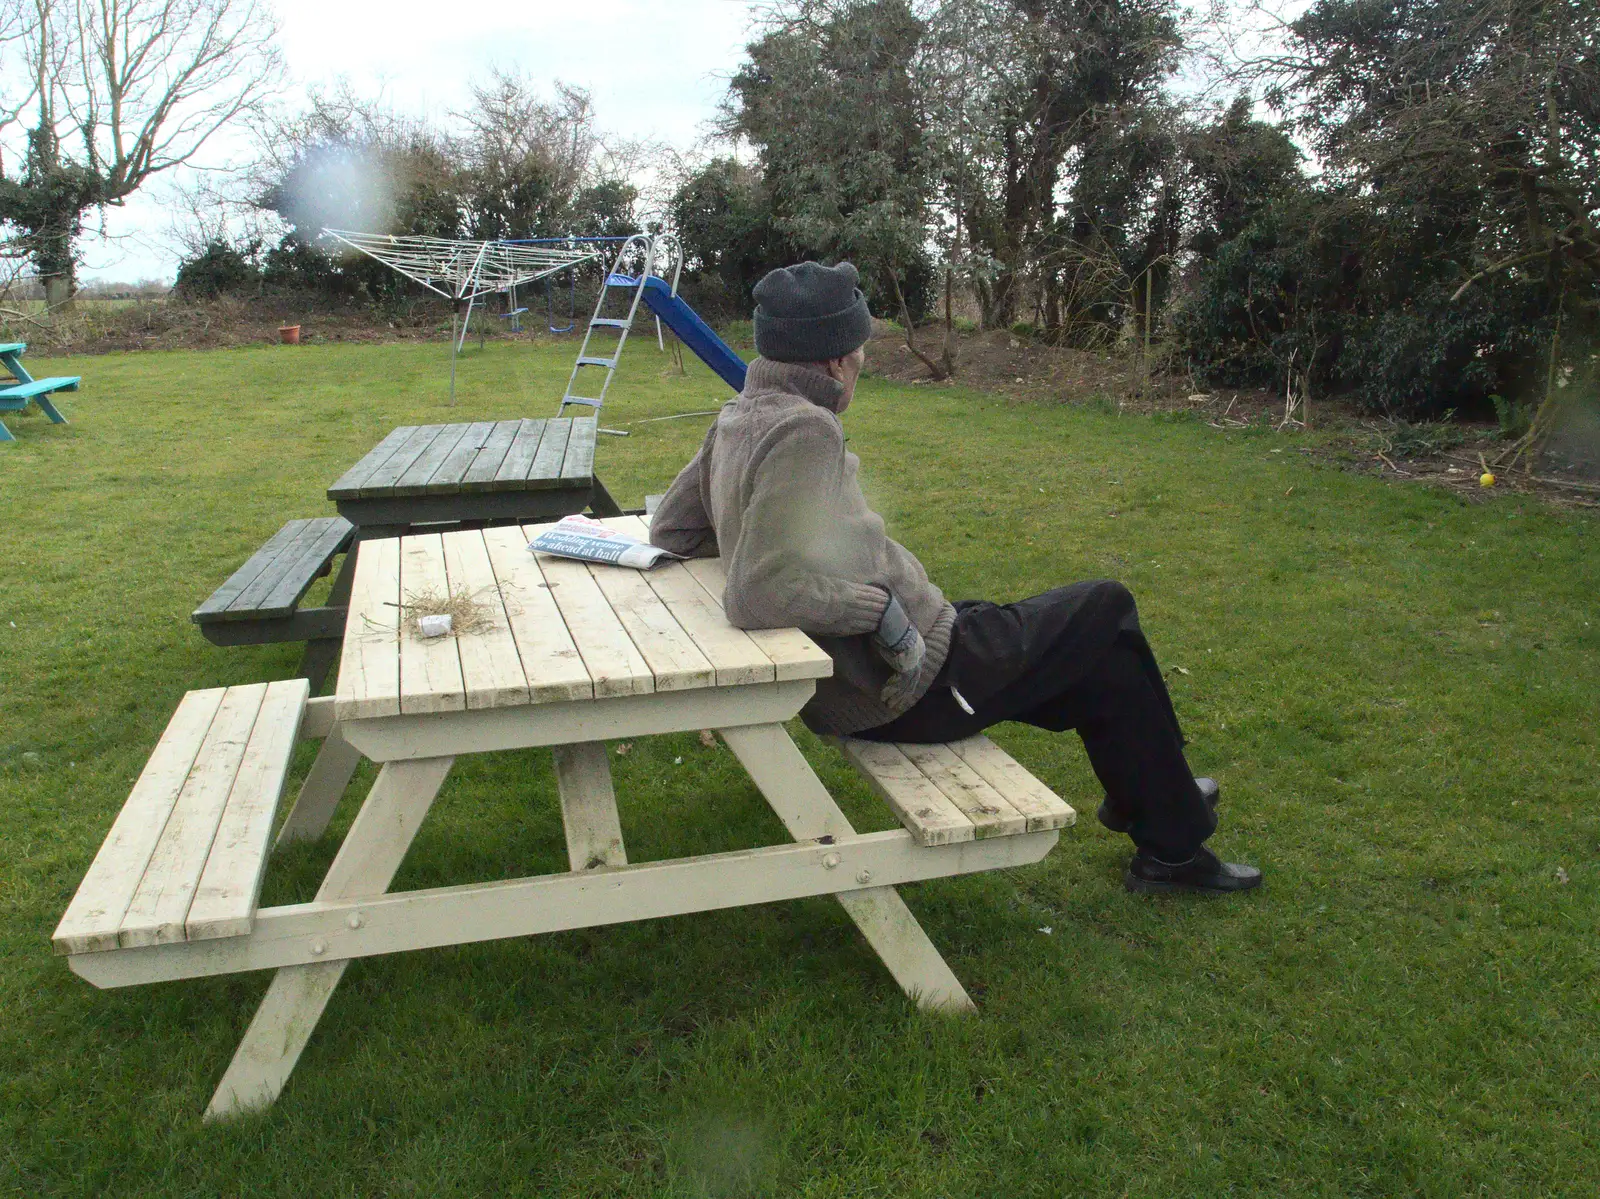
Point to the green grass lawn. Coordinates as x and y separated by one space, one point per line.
1398 691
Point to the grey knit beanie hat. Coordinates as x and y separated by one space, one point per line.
810 313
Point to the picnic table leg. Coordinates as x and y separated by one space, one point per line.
589 806
318 659
800 800
5 433
49 410
321 653
320 794
600 501
364 866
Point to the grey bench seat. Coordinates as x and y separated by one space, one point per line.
260 602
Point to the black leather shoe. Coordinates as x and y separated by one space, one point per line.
1209 791
1203 874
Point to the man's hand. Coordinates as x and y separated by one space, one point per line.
898 643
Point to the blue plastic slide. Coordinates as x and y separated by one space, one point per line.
694 332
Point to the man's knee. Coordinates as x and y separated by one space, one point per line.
1115 598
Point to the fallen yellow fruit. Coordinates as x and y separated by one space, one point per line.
1486 479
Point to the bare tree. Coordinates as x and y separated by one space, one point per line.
118 91
531 165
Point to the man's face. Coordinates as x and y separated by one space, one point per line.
847 370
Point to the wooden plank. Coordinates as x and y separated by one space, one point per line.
491 669
992 815
486 465
577 465
223 596
246 602
799 799
1042 807
793 654
430 667
588 806
91 920
519 458
415 480
925 811
225 900
365 865
613 661
324 785
619 717
675 660
41 387
447 479
278 590
545 469
160 906
383 476
349 483
737 659
551 664
369 663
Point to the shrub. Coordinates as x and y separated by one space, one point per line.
219 269
1362 303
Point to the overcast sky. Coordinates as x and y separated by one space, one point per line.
656 69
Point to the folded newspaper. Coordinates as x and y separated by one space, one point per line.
590 541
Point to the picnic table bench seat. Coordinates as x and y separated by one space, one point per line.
959 791
19 393
184 859
260 602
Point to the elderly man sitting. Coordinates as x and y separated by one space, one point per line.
774 492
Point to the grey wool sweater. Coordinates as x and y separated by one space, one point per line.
774 492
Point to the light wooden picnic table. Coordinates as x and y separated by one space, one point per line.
569 656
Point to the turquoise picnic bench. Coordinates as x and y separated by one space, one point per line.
28 390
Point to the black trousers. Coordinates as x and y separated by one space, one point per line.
1072 658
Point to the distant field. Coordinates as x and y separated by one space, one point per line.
38 306
1397 690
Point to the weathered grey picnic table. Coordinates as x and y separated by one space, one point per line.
441 476
488 471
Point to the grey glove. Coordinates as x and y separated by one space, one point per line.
899 643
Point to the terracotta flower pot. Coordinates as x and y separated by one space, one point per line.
289 335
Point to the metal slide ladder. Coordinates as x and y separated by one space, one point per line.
645 250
